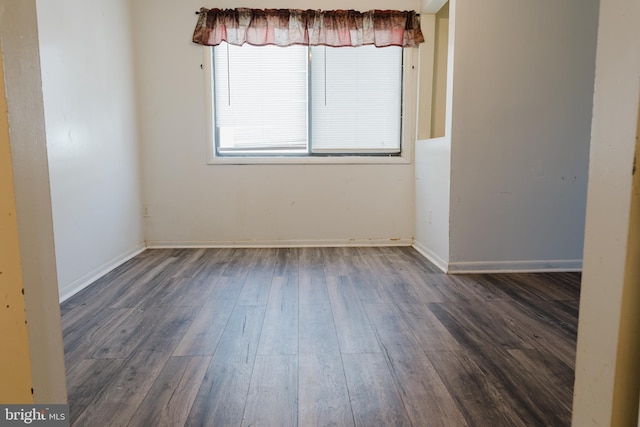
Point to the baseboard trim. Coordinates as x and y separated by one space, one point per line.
431 256
515 266
76 286
164 244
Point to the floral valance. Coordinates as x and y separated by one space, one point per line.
286 27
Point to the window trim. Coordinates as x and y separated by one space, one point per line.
409 129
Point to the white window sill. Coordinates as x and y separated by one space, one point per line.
310 160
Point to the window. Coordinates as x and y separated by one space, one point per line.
306 101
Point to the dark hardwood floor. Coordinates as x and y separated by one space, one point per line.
318 337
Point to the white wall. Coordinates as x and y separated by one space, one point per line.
87 73
192 203
19 41
522 96
433 162
608 353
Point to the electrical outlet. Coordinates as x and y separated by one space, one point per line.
145 211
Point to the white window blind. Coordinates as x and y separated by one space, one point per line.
267 97
260 97
356 99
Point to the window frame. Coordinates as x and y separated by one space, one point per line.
408 125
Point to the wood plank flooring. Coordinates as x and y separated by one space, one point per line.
318 337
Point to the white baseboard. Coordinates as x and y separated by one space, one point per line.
67 291
431 256
515 266
497 266
158 244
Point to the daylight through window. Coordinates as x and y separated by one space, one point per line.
306 100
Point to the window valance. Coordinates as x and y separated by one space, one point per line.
286 27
